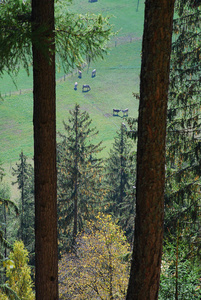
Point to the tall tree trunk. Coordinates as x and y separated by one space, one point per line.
137 5
5 237
75 180
45 150
148 236
122 166
22 200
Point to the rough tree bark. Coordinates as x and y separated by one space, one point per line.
45 150
148 236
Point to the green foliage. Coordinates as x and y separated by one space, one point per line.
185 282
79 175
120 181
7 293
76 36
180 276
24 174
7 208
7 232
19 273
15 36
184 124
98 269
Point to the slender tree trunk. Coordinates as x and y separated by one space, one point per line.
110 277
45 150
137 5
176 264
121 163
22 200
5 229
148 236
75 181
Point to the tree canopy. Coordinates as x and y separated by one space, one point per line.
76 35
100 267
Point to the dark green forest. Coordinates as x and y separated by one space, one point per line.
96 193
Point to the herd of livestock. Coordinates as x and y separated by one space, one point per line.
87 88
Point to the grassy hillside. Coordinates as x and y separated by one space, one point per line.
117 77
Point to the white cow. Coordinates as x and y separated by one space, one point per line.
75 87
79 74
93 74
116 111
125 112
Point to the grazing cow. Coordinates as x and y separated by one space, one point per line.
125 112
75 87
86 88
79 74
93 74
116 111
124 126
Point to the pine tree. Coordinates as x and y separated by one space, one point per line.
7 207
120 181
24 179
79 175
184 125
5 240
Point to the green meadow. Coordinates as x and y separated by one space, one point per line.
117 78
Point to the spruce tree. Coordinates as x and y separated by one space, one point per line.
6 228
5 205
184 124
79 175
120 181
24 179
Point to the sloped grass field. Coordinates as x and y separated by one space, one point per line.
123 14
116 79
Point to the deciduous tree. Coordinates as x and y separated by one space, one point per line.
19 273
100 267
